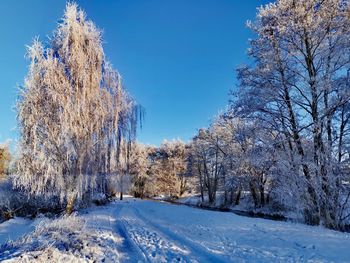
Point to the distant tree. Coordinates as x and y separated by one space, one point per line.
139 164
5 158
209 160
167 169
170 178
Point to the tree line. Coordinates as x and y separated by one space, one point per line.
284 137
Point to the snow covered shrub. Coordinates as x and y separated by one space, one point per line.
15 202
62 240
99 198
10 201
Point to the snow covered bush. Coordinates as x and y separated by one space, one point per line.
15 202
62 240
10 201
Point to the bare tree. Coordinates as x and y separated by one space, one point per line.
301 58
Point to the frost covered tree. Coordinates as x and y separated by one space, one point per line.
167 168
298 89
73 114
5 158
139 165
171 168
209 160
174 166
285 135
228 158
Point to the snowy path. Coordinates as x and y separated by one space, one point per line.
161 232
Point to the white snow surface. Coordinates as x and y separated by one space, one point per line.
15 228
149 231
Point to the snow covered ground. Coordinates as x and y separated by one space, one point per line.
15 228
148 231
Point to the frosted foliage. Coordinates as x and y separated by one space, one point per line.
66 239
168 167
69 111
298 90
138 170
5 159
284 139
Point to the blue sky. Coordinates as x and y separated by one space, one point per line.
177 57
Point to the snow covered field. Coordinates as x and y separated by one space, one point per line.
147 231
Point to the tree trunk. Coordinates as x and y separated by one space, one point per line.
238 197
254 195
200 182
70 205
121 195
262 189
262 195
343 124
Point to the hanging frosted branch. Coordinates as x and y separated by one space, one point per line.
72 112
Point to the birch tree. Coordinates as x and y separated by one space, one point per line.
72 113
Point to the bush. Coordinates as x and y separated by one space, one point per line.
63 240
14 202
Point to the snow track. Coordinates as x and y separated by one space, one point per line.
156 243
161 232
193 250
134 230
144 240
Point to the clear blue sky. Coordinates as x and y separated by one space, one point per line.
177 57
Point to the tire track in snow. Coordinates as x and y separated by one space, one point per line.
134 252
196 250
155 247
